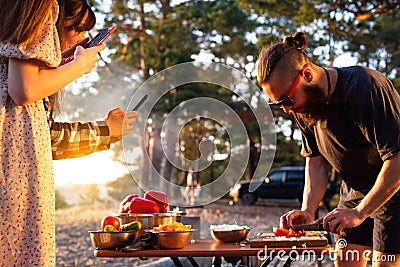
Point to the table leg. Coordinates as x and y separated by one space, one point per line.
193 262
176 261
267 261
245 261
217 262
288 262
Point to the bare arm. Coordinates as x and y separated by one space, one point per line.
386 185
316 181
28 83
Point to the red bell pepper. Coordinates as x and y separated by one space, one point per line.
142 205
123 207
159 197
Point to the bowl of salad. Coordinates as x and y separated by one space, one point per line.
174 235
229 233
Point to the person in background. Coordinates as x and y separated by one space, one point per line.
76 139
30 56
349 118
192 187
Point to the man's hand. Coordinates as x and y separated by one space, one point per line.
294 217
340 221
120 123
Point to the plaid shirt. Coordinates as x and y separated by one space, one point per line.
76 139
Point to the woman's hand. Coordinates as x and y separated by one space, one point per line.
68 54
87 58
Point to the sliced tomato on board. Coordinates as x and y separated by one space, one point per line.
280 231
288 232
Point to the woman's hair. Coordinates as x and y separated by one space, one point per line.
20 20
83 19
290 51
77 11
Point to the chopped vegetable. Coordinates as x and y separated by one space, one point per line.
172 227
288 232
110 228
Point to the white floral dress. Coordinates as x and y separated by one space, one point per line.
27 211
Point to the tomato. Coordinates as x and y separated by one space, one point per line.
110 220
291 233
301 233
288 232
280 231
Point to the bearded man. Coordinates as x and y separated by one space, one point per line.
349 118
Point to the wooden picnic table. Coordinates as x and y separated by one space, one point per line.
212 248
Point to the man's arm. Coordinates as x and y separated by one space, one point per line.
76 139
316 180
386 185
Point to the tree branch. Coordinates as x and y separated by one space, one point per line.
383 10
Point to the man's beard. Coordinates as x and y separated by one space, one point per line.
314 109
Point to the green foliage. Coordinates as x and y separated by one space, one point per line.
60 200
396 83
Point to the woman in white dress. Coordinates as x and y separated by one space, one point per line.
29 59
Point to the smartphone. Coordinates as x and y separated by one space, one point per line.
140 102
101 36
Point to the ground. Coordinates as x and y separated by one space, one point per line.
74 247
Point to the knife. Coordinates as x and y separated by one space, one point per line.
306 227
312 227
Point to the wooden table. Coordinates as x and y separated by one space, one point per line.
208 248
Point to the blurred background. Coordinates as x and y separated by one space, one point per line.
153 35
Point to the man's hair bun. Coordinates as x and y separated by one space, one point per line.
297 40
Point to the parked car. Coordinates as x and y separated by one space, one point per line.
281 183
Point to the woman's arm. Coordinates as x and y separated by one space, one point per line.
28 83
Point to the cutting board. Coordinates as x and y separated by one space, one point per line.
270 240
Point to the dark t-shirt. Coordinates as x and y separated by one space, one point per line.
362 128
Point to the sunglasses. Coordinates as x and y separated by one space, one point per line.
288 101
